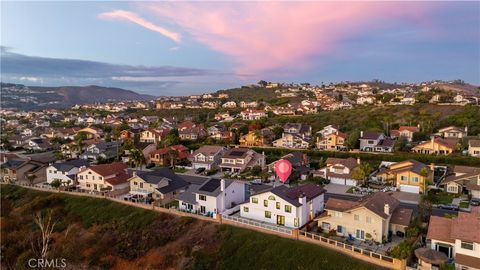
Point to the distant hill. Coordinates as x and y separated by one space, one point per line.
39 97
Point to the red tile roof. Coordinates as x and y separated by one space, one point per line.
109 169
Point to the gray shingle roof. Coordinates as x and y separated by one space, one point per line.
154 177
68 165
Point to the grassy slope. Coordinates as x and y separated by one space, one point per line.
190 244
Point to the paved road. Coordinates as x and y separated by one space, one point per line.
435 211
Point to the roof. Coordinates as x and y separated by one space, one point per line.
120 178
208 150
439 228
401 216
154 177
461 173
68 165
466 260
189 196
13 163
291 194
367 135
194 179
109 169
416 166
179 148
431 256
409 128
451 128
211 187
347 162
375 203
236 153
467 225
474 143
387 142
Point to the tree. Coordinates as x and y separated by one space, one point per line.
352 141
403 250
46 224
361 172
31 178
137 157
256 170
401 144
56 183
172 155
173 138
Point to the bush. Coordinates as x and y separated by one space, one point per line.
403 250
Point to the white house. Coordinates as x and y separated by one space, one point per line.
66 172
339 171
207 156
327 131
251 114
212 197
287 206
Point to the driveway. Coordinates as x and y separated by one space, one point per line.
339 189
407 197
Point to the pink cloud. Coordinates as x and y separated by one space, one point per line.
132 17
273 36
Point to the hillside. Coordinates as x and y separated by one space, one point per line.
39 97
100 234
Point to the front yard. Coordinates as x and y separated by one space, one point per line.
440 197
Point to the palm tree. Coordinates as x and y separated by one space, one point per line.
172 155
137 157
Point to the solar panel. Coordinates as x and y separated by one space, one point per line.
237 153
211 185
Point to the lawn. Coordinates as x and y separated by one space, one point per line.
440 197
464 204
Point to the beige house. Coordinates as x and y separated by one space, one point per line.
438 146
453 132
91 132
162 185
369 219
153 135
405 132
408 176
474 148
104 177
463 180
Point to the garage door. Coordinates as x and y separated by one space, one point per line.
337 181
411 189
351 183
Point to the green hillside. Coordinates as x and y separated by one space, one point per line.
99 234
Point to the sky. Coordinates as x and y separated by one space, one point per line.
180 48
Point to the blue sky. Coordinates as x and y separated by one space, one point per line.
166 48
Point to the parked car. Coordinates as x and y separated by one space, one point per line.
475 202
448 207
199 170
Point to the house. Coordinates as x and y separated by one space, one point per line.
295 135
223 117
238 159
251 114
438 146
213 196
257 137
104 178
189 130
162 185
207 156
375 142
462 180
23 170
332 142
37 144
339 171
300 165
229 104
327 131
408 176
153 135
218 132
452 132
164 156
65 172
91 132
474 148
248 104
457 238
405 132
286 206
102 150
63 133
371 218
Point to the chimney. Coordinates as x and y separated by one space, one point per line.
358 160
302 199
361 134
466 130
432 139
134 173
386 209
222 185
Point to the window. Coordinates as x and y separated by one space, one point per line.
202 197
467 245
265 203
135 183
81 177
356 217
141 185
337 214
452 189
295 222
415 179
254 200
339 229
369 219
360 234
268 214
245 209
288 208
404 178
271 197
278 205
